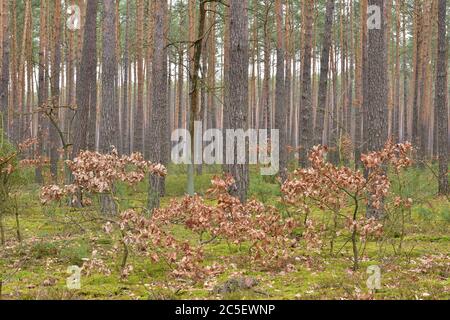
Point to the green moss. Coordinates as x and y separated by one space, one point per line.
59 241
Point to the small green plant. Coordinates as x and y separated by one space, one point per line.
425 213
74 255
42 250
445 213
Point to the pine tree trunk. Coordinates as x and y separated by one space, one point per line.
126 70
4 78
280 106
238 87
377 93
159 98
55 91
86 114
139 120
441 107
42 85
108 107
324 66
306 117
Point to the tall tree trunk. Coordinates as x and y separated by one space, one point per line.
324 66
306 118
86 114
212 112
440 100
396 111
417 64
405 77
108 107
180 86
280 106
159 98
362 145
238 78
42 85
377 93
126 70
266 87
4 79
55 91
195 112
139 120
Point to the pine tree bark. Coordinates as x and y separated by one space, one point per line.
4 79
238 87
126 71
86 114
55 91
265 105
139 120
306 117
159 98
324 67
377 93
280 106
108 107
42 85
440 100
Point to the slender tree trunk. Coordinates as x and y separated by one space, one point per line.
280 106
417 64
306 119
324 66
4 79
125 96
266 87
440 100
180 99
396 111
405 78
55 91
42 85
159 97
139 120
212 112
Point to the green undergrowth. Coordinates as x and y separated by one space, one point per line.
56 236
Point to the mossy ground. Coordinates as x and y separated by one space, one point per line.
56 237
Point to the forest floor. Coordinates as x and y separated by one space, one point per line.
56 237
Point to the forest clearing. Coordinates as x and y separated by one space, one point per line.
224 150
